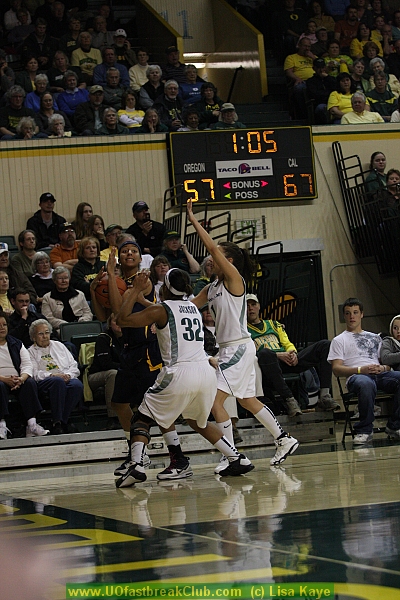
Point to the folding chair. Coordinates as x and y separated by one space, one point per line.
67 330
350 400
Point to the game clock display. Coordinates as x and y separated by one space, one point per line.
244 165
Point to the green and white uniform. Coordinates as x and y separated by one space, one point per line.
187 383
236 375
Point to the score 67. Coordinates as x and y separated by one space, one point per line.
290 188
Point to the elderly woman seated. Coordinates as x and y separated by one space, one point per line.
150 91
111 125
32 99
56 374
41 279
64 304
228 118
57 127
16 378
47 110
377 65
191 119
151 123
26 130
190 90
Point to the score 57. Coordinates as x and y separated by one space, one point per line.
189 190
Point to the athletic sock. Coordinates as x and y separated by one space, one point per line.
323 392
32 421
127 435
138 450
227 449
267 418
226 429
171 438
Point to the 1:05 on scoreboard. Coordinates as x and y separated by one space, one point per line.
244 165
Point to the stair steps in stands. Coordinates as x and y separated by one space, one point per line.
95 446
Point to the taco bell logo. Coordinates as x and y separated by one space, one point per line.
244 168
259 167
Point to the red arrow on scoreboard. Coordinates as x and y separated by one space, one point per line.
264 183
227 185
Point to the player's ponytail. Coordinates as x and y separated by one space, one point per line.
241 260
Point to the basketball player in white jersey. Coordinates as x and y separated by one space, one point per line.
226 298
186 384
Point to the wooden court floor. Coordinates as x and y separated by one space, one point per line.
332 514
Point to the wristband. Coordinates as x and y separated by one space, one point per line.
359 370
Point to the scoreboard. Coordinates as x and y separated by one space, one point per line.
244 165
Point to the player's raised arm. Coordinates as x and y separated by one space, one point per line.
231 275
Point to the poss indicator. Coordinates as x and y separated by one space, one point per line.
244 165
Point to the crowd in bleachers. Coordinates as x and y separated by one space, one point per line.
52 279
77 65
334 49
80 75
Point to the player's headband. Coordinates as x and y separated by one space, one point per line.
170 286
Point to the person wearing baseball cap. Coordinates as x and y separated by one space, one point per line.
320 47
111 233
123 50
65 254
177 253
148 234
89 115
46 223
173 69
319 87
228 118
277 355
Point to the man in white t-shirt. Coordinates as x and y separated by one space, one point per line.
355 354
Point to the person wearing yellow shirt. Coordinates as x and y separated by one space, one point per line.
5 303
359 114
111 234
86 57
335 62
298 68
363 36
339 102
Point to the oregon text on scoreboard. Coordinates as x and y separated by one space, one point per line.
244 165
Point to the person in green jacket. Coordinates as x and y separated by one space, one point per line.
277 355
228 118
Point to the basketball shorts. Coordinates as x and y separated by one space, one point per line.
236 374
186 389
